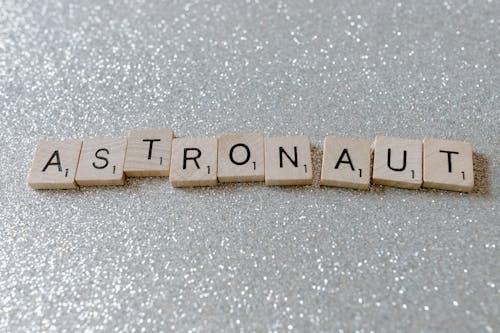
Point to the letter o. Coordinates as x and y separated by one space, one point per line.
231 151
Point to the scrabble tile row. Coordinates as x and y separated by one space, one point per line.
205 161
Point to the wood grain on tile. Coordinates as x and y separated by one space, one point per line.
346 163
448 165
397 162
288 160
55 164
148 152
240 157
101 162
194 162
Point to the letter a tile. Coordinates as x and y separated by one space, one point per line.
54 165
148 152
346 163
288 161
397 162
240 158
101 162
194 162
448 165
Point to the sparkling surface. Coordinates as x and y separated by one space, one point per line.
248 257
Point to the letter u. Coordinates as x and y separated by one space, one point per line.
389 161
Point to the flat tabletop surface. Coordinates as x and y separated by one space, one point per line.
245 256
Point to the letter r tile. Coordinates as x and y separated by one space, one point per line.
288 160
194 162
448 165
397 162
54 165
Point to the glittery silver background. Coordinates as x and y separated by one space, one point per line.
245 256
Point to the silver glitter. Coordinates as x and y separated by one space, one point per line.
246 257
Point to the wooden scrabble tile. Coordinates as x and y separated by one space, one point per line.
148 152
194 162
448 165
54 165
346 163
240 158
288 161
397 162
101 162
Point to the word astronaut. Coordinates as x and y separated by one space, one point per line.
206 161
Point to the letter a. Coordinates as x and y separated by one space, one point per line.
55 155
